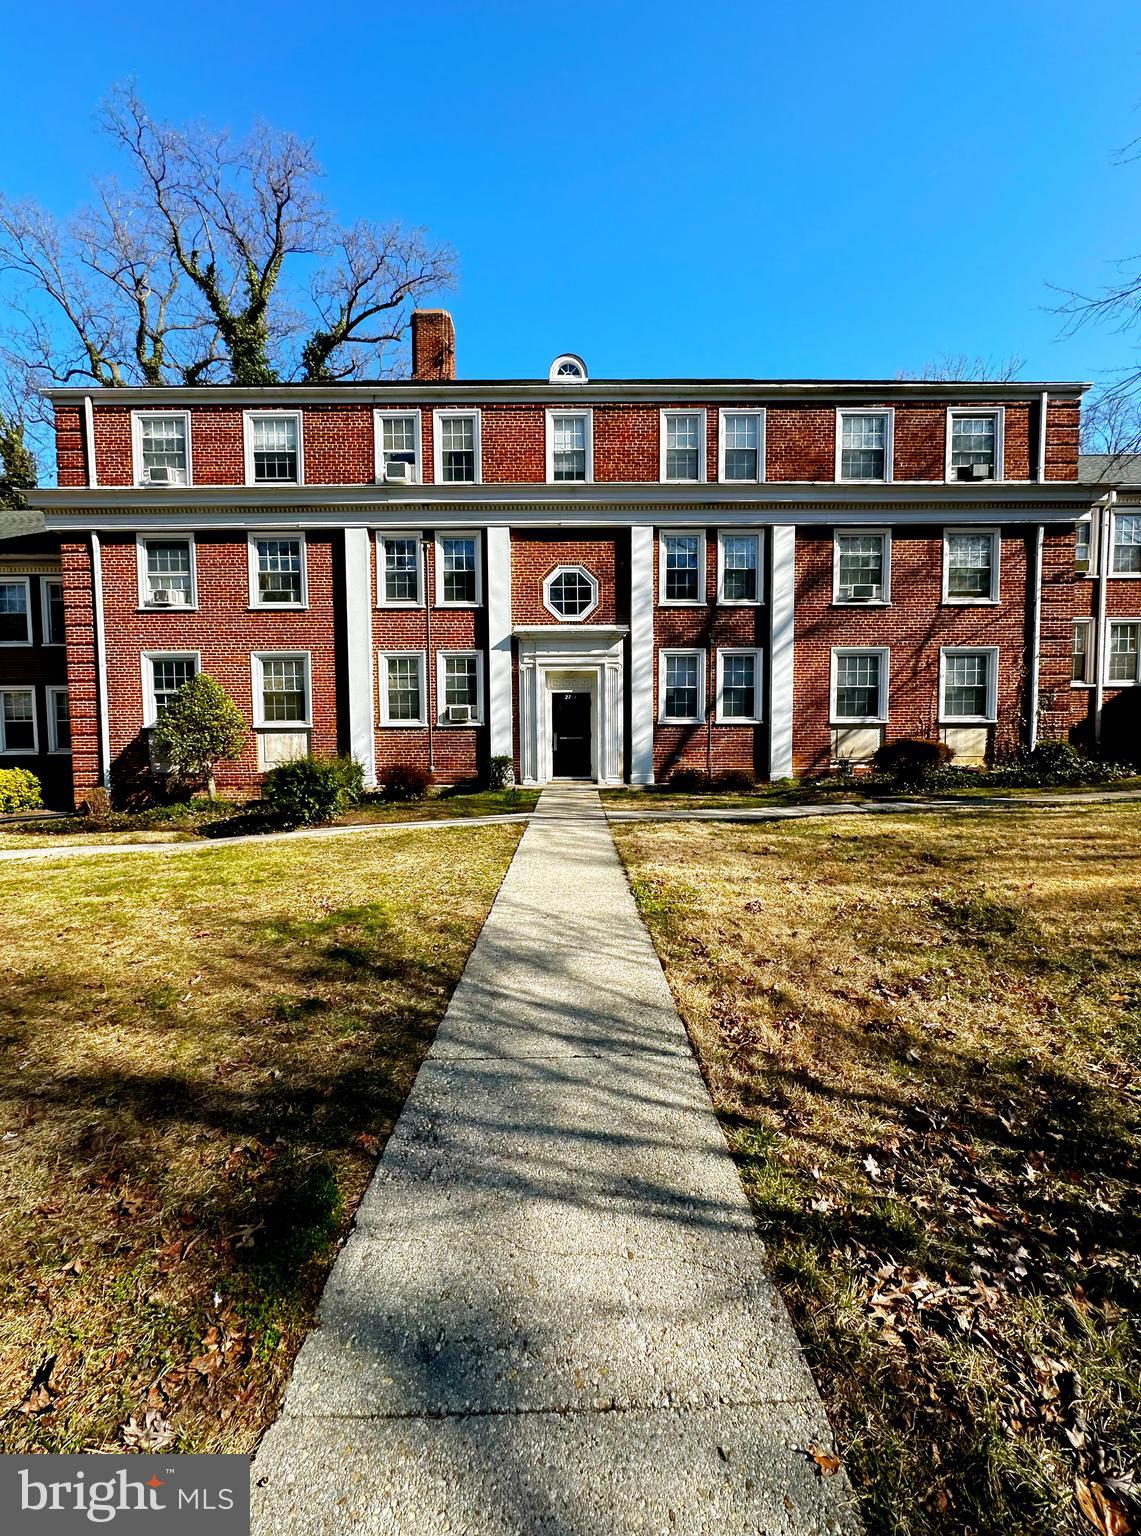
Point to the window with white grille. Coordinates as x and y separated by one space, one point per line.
975 442
457 450
167 571
274 448
969 678
682 557
18 720
569 445
1127 545
459 577
738 686
161 449
740 555
859 689
402 688
865 445
278 570
163 676
15 618
400 569
742 445
681 686
683 452
1124 652
282 689
400 442
571 592
861 571
971 566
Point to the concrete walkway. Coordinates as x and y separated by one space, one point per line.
552 1317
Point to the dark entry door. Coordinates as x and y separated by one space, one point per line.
570 721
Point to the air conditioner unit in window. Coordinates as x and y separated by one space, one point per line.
396 472
162 474
168 597
459 714
863 592
975 472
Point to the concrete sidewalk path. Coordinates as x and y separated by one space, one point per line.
552 1317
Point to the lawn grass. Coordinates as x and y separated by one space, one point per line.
202 1060
807 792
922 1037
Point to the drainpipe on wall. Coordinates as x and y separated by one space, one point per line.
1042 409
100 662
1036 634
427 542
89 441
1104 550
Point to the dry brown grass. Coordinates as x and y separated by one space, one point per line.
922 1035
202 1059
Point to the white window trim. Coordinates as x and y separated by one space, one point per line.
26 583
173 537
382 661
664 416
248 418
556 377
45 610
884 655
681 650
1090 678
257 660
458 533
392 602
856 602
740 533
34 749
995 569
1093 524
150 713
438 445
50 694
1120 575
441 705
728 410
252 562
700 601
992 684
564 570
137 448
1117 682
569 410
758 682
888 447
378 416
999 414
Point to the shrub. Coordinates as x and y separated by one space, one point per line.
501 773
19 791
735 780
689 780
199 728
405 782
1059 762
310 790
911 761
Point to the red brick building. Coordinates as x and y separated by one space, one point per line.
598 578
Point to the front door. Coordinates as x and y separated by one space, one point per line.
570 730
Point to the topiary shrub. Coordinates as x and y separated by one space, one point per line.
199 728
501 773
20 790
405 782
310 790
911 761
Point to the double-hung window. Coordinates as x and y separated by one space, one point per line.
569 446
682 445
681 558
161 444
281 689
402 690
457 447
458 580
18 721
166 573
1085 552
859 686
1081 655
399 570
398 435
739 568
15 611
51 609
59 720
738 687
864 445
1127 544
974 445
742 446
970 565
1124 652
164 673
277 571
681 687
273 448
459 687
861 566
968 693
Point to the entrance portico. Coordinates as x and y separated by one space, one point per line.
561 660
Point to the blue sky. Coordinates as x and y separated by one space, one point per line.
815 189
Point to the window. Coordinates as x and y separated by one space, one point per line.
969 680
166 573
458 567
682 561
18 720
864 445
1081 667
399 567
273 448
739 686
161 444
1084 552
59 720
399 442
15 620
861 566
568 368
974 445
970 565
163 675
281 689
457 440
51 609
569 446
742 445
459 687
277 572
402 689
1126 545
859 686
1124 652
682 445
739 560
570 592
681 686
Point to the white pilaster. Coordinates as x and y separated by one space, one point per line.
642 654
782 614
359 651
499 640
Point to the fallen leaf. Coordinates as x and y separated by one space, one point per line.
827 1463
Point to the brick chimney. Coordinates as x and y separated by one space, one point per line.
433 345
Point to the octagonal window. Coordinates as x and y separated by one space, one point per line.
570 592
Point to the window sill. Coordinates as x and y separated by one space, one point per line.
675 720
871 602
972 602
16 645
59 752
399 607
1125 575
167 608
277 607
53 645
20 752
872 722
1075 684
738 720
740 602
275 485
457 605
458 725
682 602
970 720
271 726
145 485
403 725
1133 682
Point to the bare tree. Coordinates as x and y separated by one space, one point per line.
959 368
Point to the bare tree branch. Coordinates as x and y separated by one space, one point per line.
959 368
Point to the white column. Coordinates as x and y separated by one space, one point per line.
641 655
359 654
499 640
781 616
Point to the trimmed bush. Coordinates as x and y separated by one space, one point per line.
199 728
501 773
19 791
734 781
909 760
405 782
311 790
689 780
